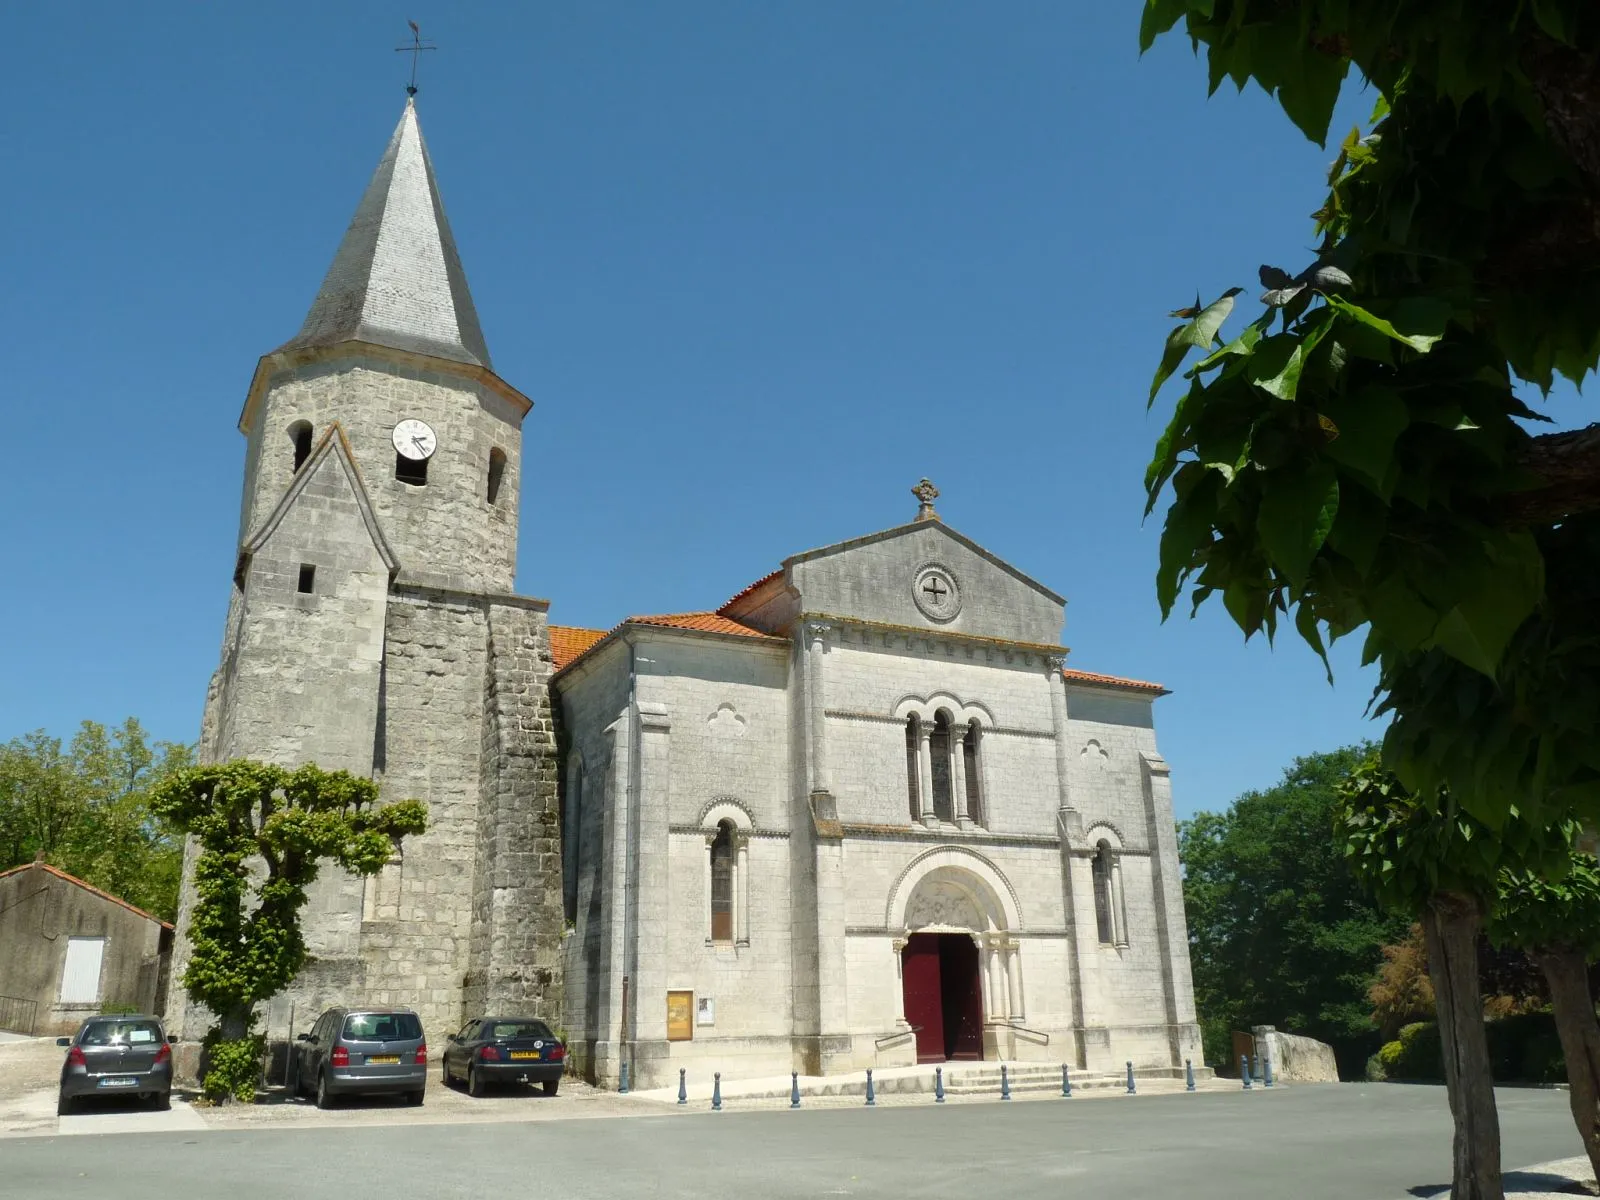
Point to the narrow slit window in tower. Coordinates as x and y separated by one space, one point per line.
300 435
914 766
722 884
939 744
497 470
308 578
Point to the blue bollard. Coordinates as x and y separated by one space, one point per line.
794 1089
872 1098
938 1085
1005 1083
622 1079
1066 1082
1188 1075
1244 1070
716 1092
683 1087
1130 1079
1266 1066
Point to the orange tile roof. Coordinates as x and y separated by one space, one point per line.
567 642
743 592
1090 677
88 887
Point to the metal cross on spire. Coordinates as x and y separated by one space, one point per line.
415 50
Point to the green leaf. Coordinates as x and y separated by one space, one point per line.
1478 629
1399 614
1309 92
1421 341
1547 14
1173 440
1243 345
1297 511
1159 16
1369 422
1201 332
1277 363
1189 523
1305 621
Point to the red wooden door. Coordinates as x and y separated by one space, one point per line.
961 993
919 976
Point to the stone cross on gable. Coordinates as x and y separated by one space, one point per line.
935 590
926 494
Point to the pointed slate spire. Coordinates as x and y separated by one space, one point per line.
397 280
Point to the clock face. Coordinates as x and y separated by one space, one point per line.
413 439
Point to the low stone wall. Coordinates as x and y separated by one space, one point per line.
1295 1059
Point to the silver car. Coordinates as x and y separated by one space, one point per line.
117 1056
352 1051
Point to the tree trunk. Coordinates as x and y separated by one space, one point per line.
1450 922
1568 975
234 1023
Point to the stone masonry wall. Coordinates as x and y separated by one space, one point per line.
517 912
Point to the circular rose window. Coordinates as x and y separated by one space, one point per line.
936 593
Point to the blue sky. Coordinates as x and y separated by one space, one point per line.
760 266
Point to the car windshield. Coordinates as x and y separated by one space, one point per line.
499 1030
382 1027
121 1033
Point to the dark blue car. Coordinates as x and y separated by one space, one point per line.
494 1050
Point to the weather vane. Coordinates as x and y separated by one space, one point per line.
415 50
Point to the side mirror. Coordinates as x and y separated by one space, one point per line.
63 1041
304 1037
452 1038
172 1039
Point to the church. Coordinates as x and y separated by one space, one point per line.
860 815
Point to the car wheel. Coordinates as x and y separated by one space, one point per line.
161 1101
63 1105
324 1096
474 1084
551 1086
444 1073
415 1098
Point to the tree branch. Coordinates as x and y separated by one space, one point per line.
1568 467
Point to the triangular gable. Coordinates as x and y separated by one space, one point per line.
918 527
335 443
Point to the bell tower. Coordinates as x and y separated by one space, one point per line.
372 624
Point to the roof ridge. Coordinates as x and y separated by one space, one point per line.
87 886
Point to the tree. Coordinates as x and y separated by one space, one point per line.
1557 921
1279 930
1427 857
1366 465
86 810
263 833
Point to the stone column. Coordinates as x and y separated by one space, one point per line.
1014 979
741 900
817 648
898 947
958 778
995 978
1119 908
1172 935
925 763
705 915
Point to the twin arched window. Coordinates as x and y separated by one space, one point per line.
944 777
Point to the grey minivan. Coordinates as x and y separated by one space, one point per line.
352 1051
117 1056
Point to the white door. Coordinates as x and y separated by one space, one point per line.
80 974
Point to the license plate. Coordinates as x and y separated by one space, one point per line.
117 1081
383 1059
524 1054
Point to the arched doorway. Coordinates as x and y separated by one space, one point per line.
952 917
943 995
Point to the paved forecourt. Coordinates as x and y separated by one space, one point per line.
1344 1141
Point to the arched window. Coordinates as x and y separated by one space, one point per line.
939 744
914 766
411 470
1104 903
497 470
969 759
300 436
722 884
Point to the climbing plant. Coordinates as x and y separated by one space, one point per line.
263 833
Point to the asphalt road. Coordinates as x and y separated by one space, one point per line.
1348 1142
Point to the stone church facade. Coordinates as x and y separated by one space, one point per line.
861 815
